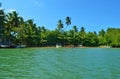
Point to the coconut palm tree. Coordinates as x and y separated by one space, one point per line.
29 26
12 22
67 21
82 36
82 32
74 30
60 25
13 19
2 24
2 19
21 31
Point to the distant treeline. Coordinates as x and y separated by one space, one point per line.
14 29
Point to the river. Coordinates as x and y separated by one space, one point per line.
61 63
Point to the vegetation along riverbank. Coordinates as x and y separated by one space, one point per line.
14 30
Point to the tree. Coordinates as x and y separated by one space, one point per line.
60 25
75 30
102 39
82 36
82 32
91 39
70 37
113 37
12 23
2 20
38 35
43 29
68 20
43 36
102 33
20 32
52 38
13 19
2 24
14 29
31 32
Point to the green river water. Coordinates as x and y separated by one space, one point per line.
61 63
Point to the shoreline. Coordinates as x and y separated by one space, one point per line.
64 47
71 47
75 47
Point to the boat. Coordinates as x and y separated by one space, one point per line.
58 46
20 46
7 46
4 46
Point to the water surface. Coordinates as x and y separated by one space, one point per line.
61 63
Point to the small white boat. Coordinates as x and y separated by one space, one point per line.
5 46
21 46
58 46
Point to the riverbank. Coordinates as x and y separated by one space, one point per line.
67 46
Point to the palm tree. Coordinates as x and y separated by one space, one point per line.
13 18
102 33
82 32
43 36
43 29
67 21
30 25
60 25
82 36
21 31
82 29
2 19
2 24
12 22
74 30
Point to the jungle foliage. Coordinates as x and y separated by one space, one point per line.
14 29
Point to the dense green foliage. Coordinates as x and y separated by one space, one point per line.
14 29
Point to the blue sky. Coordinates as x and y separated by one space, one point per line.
94 15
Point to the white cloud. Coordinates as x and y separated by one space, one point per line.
10 10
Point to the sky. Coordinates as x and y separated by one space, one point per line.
93 15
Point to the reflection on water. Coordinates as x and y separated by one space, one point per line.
63 63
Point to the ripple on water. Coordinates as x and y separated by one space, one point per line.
63 63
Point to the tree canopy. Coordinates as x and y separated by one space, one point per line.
14 29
